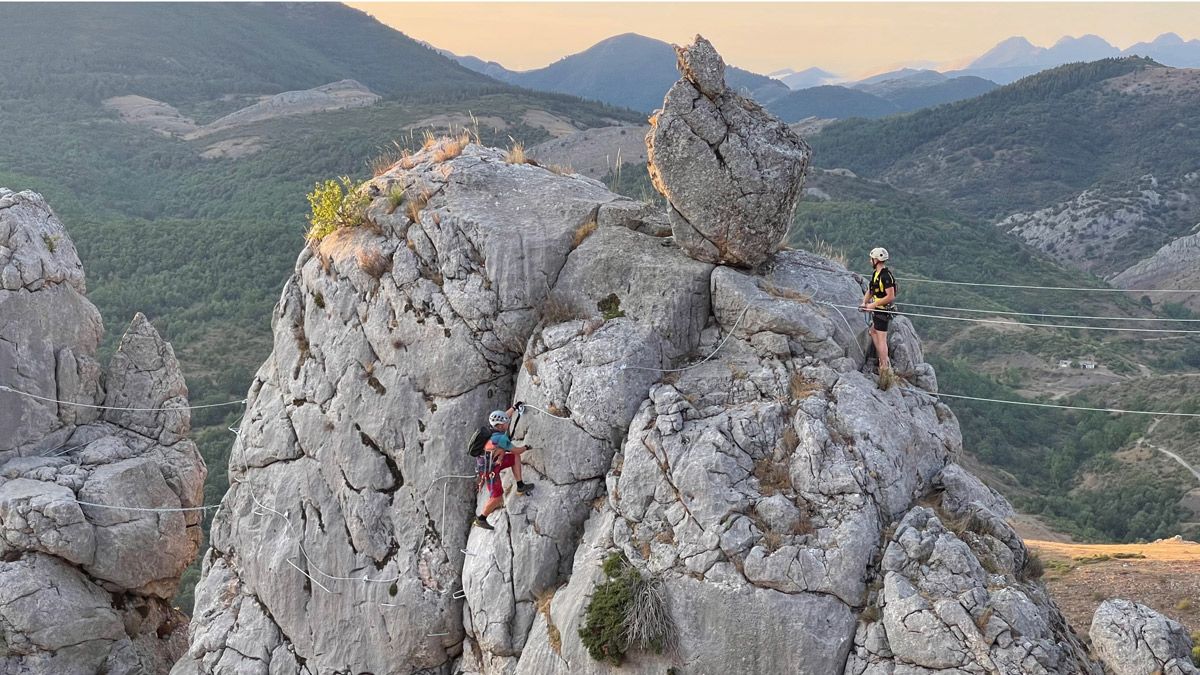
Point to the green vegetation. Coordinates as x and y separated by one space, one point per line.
626 612
1037 141
335 205
610 307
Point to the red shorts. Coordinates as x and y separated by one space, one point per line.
494 485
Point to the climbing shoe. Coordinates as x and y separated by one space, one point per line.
524 488
480 521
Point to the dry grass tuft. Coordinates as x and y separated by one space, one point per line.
407 161
428 139
543 601
416 205
555 310
773 477
558 169
374 263
826 250
583 232
516 154
389 157
800 387
449 148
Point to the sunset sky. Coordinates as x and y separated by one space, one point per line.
851 39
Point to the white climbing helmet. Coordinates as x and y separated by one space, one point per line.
879 253
497 418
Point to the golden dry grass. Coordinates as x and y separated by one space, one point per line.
449 148
583 232
516 154
374 263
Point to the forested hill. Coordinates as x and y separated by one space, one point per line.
191 52
1034 142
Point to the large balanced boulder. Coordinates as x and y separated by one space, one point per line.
1132 639
731 172
99 507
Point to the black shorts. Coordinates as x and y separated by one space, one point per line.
881 319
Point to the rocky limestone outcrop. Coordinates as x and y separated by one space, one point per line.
86 580
731 172
1132 639
709 424
1171 267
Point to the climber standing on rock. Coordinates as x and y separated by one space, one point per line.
497 452
880 300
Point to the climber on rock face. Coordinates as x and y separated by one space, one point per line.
879 300
498 454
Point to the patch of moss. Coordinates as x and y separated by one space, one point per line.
610 307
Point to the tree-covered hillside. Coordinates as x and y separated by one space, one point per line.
1034 142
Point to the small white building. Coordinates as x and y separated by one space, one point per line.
1087 365
1064 363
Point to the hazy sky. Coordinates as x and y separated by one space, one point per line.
851 39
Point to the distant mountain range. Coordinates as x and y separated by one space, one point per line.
626 70
635 72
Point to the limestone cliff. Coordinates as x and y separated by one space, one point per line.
713 433
86 582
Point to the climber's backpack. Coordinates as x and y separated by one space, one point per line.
479 441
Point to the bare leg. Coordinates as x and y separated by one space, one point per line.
879 339
516 467
491 505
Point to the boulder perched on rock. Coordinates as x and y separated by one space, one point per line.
731 172
88 567
1132 639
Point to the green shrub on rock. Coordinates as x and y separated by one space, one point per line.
626 612
334 205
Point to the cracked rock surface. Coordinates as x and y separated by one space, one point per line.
1132 639
731 172
84 587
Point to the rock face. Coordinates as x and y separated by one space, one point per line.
731 172
709 425
1171 267
1132 639
85 581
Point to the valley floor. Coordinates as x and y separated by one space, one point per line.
1163 575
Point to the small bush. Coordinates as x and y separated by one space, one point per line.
627 612
1184 605
334 205
610 307
603 631
51 242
